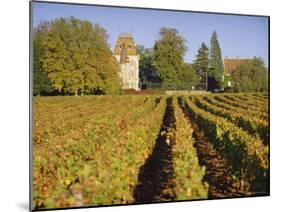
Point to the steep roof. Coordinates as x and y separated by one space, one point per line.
128 42
125 35
123 54
231 64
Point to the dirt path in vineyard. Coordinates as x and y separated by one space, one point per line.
155 176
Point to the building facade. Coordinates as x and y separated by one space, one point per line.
125 52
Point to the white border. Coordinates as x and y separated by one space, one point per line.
14 117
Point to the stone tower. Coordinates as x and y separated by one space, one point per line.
126 54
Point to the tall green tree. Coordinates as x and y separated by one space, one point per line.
147 73
168 60
78 60
202 64
216 64
188 78
41 82
250 77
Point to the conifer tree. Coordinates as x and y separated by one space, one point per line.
202 64
216 64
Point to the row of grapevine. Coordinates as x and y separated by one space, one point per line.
243 105
55 118
79 170
254 125
246 154
64 138
235 109
260 98
250 101
91 150
252 97
263 96
188 174
120 159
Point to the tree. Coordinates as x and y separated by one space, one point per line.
188 77
216 64
147 72
78 60
202 64
41 82
250 77
168 60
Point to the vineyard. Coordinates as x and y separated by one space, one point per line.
104 150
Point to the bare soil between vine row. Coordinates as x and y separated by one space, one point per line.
155 176
218 173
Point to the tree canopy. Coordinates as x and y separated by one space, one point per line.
77 58
250 77
147 72
41 82
168 61
72 56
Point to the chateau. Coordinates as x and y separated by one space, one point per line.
126 54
